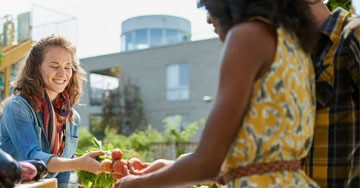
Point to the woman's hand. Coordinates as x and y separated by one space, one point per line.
136 167
89 163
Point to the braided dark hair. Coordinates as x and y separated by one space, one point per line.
294 15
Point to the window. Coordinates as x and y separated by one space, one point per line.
179 120
145 38
99 84
141 39
129 41
171 36
177 82
155 37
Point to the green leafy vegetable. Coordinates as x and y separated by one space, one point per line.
88 179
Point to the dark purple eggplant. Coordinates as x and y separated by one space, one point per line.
40 167
10 170
28 171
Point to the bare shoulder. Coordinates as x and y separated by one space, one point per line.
254 31
258 28
256 38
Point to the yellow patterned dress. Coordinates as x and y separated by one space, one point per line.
279 122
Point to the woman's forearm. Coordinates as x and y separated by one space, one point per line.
185 171
86 162
58 164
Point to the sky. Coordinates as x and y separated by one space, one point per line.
99 21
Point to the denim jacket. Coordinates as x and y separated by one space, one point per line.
23 135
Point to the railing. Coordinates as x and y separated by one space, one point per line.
170 150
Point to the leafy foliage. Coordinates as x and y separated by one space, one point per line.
135 145
88 179
345 4
84 137
141 141
173 134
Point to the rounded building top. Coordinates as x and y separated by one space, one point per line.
155 22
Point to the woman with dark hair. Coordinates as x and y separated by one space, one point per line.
261 124
38 121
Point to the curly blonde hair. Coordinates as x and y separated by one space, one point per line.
29 83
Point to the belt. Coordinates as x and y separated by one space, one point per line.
258 168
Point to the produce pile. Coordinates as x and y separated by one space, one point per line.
112 163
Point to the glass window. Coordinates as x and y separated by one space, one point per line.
177 78
181 36
141 39
129 41
155 37
171 36
172 76
184 77
99 84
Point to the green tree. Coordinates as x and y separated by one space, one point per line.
130 112
109 113
122 110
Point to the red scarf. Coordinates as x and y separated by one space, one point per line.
55 126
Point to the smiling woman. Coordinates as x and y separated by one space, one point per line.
39 121
56 70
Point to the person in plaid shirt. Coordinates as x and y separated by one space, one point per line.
334 158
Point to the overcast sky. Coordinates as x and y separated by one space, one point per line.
99 21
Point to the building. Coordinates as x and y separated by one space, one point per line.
176 78
155 30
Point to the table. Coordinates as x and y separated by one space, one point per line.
42 183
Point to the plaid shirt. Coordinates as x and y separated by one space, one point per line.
334 158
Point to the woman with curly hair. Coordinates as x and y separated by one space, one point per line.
261 124
38 121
